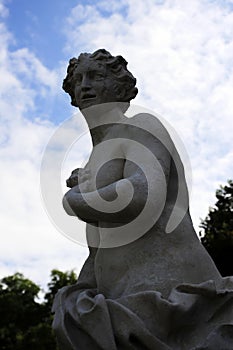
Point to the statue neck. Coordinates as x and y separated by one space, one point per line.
99 133
100 119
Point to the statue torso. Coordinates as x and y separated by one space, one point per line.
164 259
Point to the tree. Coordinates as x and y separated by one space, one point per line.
19 310
218 228
59 279
25 323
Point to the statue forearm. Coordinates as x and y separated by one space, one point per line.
117 202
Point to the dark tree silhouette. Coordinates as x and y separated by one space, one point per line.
218 229
59 279
25 324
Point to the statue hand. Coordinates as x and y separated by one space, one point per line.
77 177
73 180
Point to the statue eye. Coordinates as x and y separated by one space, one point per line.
99 76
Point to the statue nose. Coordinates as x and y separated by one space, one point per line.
86 84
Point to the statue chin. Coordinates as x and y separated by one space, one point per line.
103 108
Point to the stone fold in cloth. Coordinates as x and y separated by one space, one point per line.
193 317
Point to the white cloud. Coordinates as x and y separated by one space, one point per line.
29 241
3 10
24 62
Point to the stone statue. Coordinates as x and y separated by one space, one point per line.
141 287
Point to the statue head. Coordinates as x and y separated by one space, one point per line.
99 78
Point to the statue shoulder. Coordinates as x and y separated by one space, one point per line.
152 127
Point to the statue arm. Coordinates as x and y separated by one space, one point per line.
91 206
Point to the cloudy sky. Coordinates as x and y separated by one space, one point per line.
181 53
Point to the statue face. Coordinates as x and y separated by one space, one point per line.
94 84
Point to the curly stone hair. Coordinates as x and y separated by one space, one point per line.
125 87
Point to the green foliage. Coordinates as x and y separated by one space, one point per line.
218 228
39 337
59 279
25 324
18 308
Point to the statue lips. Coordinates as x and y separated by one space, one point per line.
88 96
87 99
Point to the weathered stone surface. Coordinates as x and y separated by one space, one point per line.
141 287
